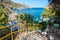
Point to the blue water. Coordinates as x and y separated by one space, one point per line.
36 12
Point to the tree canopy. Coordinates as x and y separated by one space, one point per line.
48 13
55 6
54 9
3 17
25 17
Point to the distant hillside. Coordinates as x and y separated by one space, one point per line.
9 3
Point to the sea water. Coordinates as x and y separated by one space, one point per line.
35 12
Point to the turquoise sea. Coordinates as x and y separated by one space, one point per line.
36 12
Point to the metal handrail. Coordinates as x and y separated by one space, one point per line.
3 27
11 33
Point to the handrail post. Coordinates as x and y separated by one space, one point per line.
11 33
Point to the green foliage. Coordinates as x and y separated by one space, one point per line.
48 13
55 6
44 24
3 17
31 28
54 9
25 17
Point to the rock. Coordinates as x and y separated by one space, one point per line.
36 35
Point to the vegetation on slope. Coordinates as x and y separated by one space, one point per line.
48 13
6 7
25 17
55 6
3 17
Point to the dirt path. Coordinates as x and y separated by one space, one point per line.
34 35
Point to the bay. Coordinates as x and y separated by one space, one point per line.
36 12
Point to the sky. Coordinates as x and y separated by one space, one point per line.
33 3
